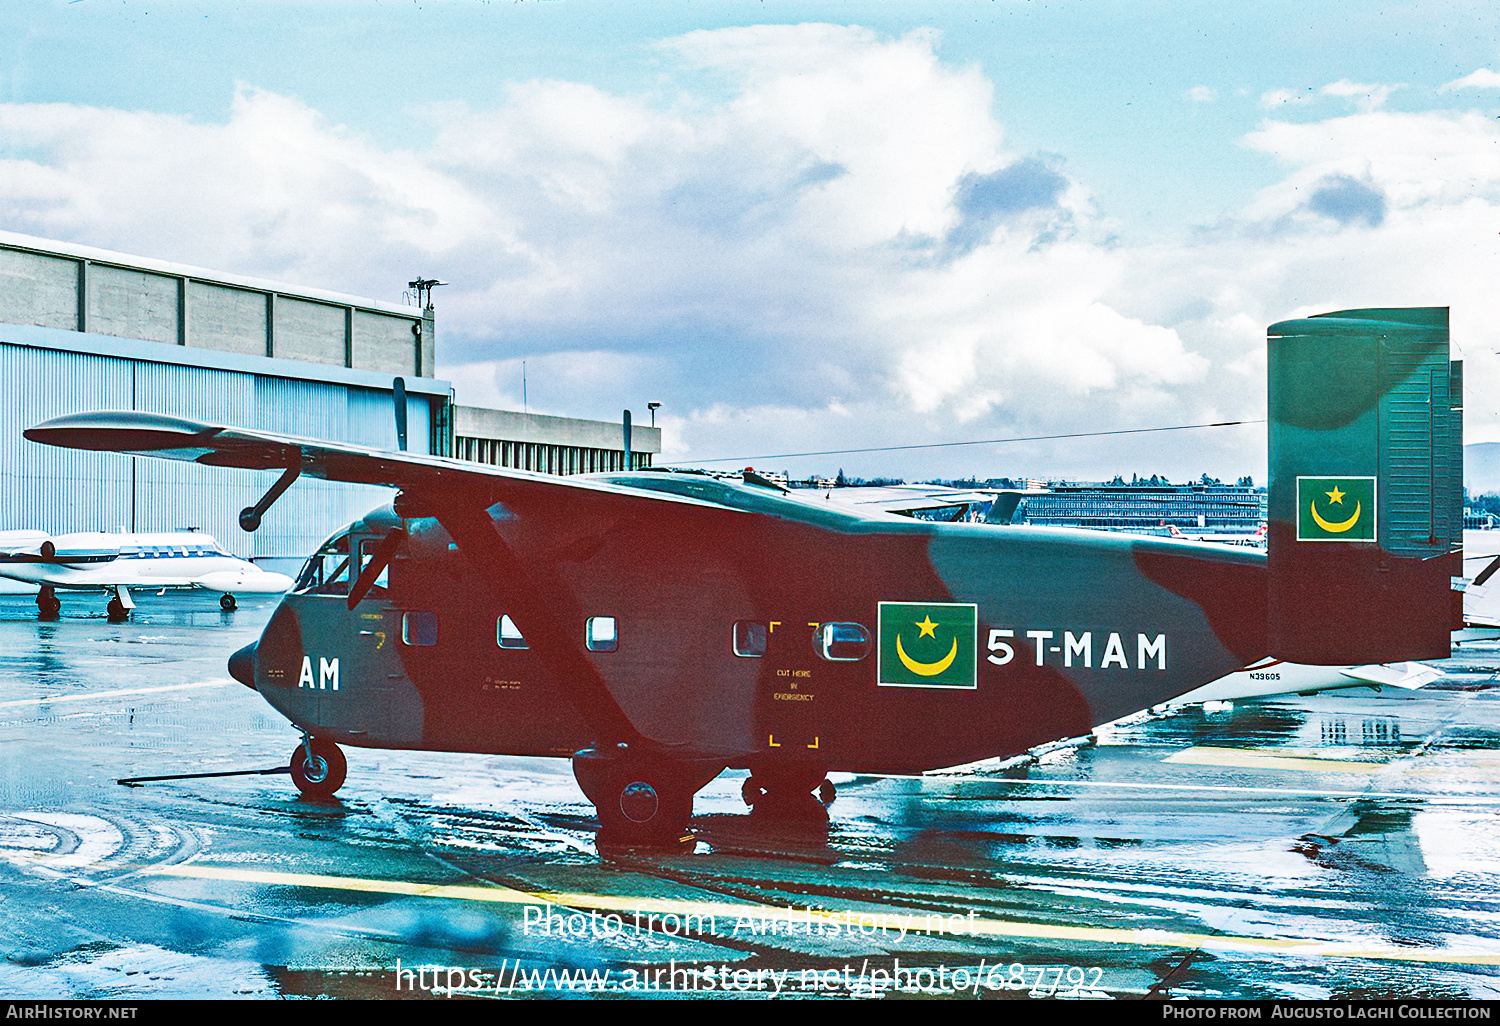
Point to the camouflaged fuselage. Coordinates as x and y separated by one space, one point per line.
1068 629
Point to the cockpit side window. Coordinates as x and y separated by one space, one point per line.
367 547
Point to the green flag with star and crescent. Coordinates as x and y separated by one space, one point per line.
928 644
1336 509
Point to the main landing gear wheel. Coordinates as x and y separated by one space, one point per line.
318 768
116 611
48 606
640 801
227 603
788 795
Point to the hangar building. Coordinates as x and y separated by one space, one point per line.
87 329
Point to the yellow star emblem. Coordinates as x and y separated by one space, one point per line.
926 626
1335 495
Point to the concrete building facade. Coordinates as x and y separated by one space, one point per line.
550 445
78 288
86 329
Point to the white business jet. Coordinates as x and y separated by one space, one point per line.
118 562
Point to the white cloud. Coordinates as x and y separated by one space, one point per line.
1364 96
1484 78
1202 94
834 249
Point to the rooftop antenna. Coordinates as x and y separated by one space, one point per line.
423 288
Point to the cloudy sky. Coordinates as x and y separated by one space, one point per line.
804 226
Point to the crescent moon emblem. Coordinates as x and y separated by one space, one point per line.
1338 528
927 669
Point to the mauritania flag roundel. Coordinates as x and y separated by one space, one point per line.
928 644
1336 509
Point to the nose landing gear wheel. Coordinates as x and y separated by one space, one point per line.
318 768
116 612
227 603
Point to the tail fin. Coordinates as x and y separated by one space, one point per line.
1366 487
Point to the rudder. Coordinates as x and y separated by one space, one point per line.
1366 487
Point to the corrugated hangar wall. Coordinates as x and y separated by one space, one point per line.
85 329
60 491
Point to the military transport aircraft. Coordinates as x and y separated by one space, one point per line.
658 627
93 561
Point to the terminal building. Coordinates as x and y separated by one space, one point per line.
84 329
1137 507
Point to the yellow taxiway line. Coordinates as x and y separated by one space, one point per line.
849 922
1254 758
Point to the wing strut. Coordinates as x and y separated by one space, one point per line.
547 616
250 515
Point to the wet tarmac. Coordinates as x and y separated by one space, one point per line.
1339 845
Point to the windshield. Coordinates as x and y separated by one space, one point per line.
327 572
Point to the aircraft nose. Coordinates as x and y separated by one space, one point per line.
242 666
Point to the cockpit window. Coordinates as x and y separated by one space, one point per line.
327 572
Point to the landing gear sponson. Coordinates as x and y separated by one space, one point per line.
641 800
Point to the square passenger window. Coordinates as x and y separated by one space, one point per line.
601 635
749 639
508 635
419 628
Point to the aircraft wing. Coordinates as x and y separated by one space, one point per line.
1410 676
165 437
22 543
460 494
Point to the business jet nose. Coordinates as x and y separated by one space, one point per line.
242 666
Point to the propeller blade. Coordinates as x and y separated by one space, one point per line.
384 553
398 399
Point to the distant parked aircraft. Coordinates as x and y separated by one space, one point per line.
1256 540
118 562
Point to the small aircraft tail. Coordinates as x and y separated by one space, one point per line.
1366 487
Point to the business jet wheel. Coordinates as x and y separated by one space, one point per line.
48 606
116 611
318 768
227 603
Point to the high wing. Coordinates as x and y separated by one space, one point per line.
176 438
572 515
